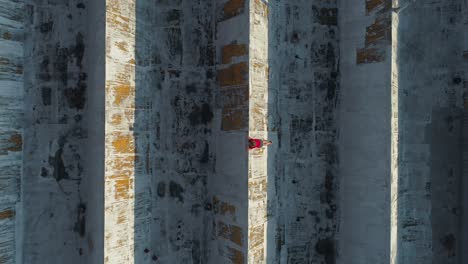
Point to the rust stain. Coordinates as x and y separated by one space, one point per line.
123 143
122 92
120 164
233 8
119 22
235 74
372 5
327 16
223 208
14 143
378 34
7 214
7 36
261 8
116 119
4 61
256 236
259 118
257 189
122 45
235 119
122 188
122 218
114 6
380 30
258 255
230 232
233 50
370 55
132 61
236 256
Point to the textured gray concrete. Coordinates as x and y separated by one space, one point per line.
128 144
430 91
11 135
364 128
174 85
56 135
303 94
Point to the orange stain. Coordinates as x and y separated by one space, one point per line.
236 74
116 119
233 8
122 92
7 214
233 50
122 45
123 143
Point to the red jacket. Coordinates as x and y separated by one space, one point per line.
258 143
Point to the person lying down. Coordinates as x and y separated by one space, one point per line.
258 143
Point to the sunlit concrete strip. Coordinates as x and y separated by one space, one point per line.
394 147
119 139
11 134
258 128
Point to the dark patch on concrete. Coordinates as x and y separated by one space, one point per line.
201 115
44 172
56 161
327 196
329 152
44 74
81 5
46 94
449 243
176 191
205 157
295 37
76 96
46 27
456 80
61 64
77 118
80 224
196 252
174 45
173 17
323 54
411 222
326 248
191 88
161 191
208 206
79 49
325 16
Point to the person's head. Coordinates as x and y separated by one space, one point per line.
251 143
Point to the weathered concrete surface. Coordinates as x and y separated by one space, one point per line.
55 208
229 185
258 128
303 100
364 128
11 133
137 113
464 180
430 102
93 184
